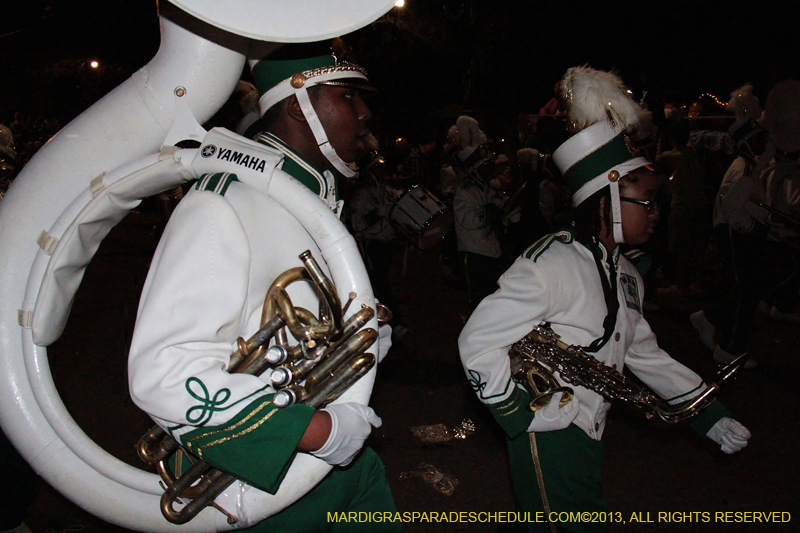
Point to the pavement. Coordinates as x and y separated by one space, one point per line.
656 477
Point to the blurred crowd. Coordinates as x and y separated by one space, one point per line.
20 138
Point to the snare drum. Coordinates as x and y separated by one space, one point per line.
421 217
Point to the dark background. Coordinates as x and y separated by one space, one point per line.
494 58
434 60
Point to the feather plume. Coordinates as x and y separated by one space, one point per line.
744 103
593 96
645 127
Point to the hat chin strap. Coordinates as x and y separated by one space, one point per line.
319 133
616 213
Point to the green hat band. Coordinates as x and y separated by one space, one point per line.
269 73
609 155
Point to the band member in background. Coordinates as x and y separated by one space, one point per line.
224 245
477 209
369 201
756 259
577 281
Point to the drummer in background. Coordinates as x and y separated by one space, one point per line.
478 211
421 166
368 202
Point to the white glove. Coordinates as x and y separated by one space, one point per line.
729 434
551 417
351 424
384 341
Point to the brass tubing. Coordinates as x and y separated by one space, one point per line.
239 364
156 445
353 324
217 482
330 296
356 344
343 380
293 274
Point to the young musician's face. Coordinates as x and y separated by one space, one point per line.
344 116
639 222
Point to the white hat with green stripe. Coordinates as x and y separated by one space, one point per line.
600 109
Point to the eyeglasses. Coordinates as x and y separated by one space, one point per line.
650 205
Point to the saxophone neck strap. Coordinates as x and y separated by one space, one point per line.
609 284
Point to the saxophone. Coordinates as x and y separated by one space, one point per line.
538 355
328 358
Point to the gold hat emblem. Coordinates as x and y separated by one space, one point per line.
297 80
613 176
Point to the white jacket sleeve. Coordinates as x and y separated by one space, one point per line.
500 320
191 311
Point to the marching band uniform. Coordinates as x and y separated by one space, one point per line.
225 243
556 280
477 211
740 232
555 453
369 202
755 263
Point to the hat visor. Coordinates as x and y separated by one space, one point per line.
356 83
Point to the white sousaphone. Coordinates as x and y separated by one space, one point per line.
86 179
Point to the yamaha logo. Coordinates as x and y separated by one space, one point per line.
208 150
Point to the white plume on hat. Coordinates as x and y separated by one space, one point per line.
601 113
744 103
593 96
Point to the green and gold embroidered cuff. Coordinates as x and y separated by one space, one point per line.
513 414
257 445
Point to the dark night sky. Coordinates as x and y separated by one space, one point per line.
517 49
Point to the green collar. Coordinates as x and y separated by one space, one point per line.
296 166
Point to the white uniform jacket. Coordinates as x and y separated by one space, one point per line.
224 245
474 231
556 280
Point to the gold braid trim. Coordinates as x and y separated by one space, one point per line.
243 421
339 67
540 479
513 401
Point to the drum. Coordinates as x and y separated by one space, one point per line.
422 217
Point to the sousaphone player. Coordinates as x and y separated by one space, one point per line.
224 245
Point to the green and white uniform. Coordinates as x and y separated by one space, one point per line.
225 243
556 280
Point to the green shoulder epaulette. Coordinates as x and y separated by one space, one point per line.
535 250
217 182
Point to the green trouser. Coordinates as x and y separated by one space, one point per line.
558 472
360 487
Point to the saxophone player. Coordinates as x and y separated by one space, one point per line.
577 280
223 246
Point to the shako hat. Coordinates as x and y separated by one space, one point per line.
293 66
599 153
747 109
473 151
292 69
